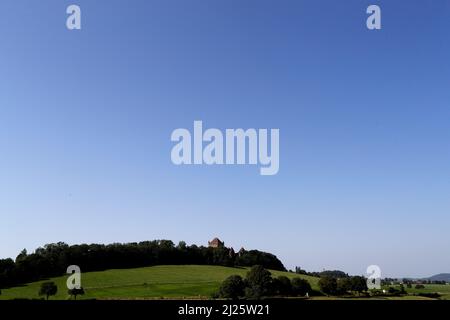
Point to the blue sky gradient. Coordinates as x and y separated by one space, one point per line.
86 118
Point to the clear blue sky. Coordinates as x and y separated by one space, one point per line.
86 118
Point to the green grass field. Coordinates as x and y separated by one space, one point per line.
145 283
443 290
172 282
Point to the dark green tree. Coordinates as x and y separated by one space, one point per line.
358 284
259 282
255 257
344 285
48 289
328 285
22 256
300 287
402 289
232 287
182 245
282 286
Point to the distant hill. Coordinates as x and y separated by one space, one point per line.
440 277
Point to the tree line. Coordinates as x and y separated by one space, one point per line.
259 283
53 259
325 273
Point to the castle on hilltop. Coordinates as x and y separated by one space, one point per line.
216 243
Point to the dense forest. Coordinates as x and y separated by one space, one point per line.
53 259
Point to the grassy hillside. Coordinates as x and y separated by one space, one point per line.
151 282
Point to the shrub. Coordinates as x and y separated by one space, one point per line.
420 286
76 292
434 295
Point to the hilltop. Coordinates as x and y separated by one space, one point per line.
52 260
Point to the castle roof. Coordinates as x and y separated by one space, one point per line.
215 240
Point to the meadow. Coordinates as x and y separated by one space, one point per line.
172 282
175 282
442 289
